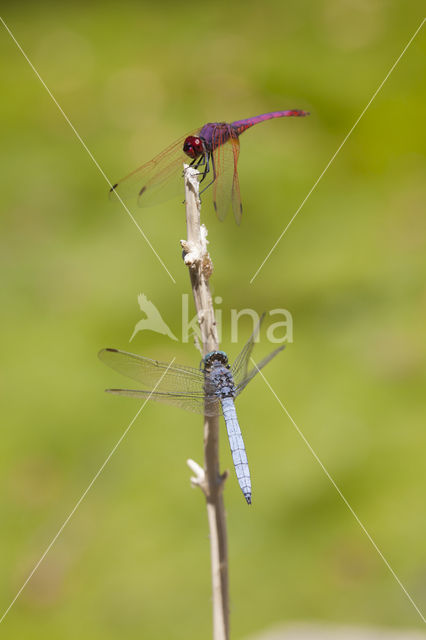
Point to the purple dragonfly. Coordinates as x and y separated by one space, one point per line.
213 149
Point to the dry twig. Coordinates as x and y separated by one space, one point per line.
210 480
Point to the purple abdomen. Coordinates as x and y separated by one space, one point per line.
241 125
217 133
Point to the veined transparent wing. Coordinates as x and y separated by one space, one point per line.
176 378
242 385
195 403
226 189
158 180
241 363
174 384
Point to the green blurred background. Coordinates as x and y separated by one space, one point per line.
133 561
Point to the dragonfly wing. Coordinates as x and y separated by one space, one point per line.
237 206
158 180
256 369
240 366
175 385
194 403
174 379
226 187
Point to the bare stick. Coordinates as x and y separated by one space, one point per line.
211 482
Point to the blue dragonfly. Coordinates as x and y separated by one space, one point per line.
210 390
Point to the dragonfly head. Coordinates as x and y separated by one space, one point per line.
215 356
193 146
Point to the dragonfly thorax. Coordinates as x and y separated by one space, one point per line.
219 381
218 377
194 146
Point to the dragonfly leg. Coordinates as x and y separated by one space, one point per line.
214 175
191 164
199 162
195 162
204 161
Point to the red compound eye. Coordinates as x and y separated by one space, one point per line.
193 147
